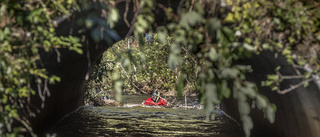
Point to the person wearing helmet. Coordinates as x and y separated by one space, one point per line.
155 100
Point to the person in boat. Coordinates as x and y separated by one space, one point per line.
155 100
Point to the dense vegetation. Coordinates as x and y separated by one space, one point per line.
147 69
200 45
26 28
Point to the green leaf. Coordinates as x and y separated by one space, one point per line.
180 85
244 107
175 49
225 90
143 22
249 90
306 84
214 24
89 23
4 99
273 77
247 124
180 36
302 62
261 102
270 113
113 17
229 73
1 35
276 20
118 88
191 18
174 61
307 74
213 56
96 34
274 88
266 46
318 37
230 18
162 34
54 79
286 51
248 47
268 82
229 34
78 50
279 45
171 26
211 93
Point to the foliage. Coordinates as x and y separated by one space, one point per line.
216 47
210 44
293 31
239 29
27 28
206 34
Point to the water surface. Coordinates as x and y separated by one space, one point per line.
144 121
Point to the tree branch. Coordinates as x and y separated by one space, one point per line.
292 87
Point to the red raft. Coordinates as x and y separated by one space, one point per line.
150 102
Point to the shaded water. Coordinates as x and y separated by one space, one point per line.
144 121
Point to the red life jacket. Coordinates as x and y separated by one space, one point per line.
149 102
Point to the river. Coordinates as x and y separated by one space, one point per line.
133 119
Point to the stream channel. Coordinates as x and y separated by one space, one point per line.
134 119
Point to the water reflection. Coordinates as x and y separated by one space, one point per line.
144 121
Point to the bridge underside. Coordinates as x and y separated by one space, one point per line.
297 112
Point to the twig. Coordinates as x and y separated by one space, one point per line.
126 13
165 9
29 128
58 55
289 77
294 86
132 22
89 60
131 81
192 4
185 101
189 54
